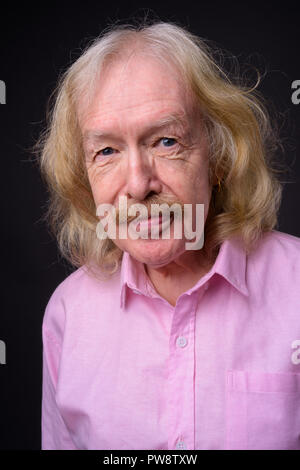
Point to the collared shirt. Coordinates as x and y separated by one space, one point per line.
124 369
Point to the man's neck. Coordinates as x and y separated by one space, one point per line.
182 274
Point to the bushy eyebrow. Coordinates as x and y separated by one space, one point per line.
171 120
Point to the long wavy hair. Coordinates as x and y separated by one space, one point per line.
242 144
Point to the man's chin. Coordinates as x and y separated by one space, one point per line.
155 253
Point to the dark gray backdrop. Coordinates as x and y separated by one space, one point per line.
37 41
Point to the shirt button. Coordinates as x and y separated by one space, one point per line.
206 286
180 445
181 341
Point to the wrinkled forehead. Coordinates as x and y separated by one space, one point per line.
135 79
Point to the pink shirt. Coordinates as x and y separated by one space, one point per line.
123 369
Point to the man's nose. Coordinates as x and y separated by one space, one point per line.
141 178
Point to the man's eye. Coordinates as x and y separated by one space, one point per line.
168 141
106 151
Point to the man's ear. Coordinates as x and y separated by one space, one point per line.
215 178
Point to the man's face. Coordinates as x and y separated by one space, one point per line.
143 136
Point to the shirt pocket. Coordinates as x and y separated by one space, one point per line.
262 410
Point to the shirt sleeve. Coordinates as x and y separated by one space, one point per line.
55 434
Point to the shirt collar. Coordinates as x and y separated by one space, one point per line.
230 263
133 276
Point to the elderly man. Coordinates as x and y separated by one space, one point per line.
148 344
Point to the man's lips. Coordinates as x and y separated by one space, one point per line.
145 225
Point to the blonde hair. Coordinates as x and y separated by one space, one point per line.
242 143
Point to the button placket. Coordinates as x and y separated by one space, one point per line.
181 372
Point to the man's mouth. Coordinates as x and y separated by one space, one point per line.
155 224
